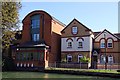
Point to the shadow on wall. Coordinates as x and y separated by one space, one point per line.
56 46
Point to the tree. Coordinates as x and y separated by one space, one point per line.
10 22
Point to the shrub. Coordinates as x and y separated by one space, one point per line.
84 60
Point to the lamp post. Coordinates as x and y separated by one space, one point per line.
105 52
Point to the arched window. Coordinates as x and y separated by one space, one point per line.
79 57
69 43
109 43
80 42
102 43
102 59
35 25
110 59
69 58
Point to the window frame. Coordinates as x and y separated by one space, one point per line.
79 56
74 30
101 43
102 60
35 21
109 60
109 43
35 37
80 46
69 56
69 44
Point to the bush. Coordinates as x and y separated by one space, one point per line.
85 60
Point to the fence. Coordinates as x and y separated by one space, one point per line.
70 65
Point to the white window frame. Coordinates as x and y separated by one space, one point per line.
102 60
102 43
79 56
69 56
80 41
74 29
36 37
68 44
109 41
110 59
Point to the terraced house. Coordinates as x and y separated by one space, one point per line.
106 51
76 43
45 41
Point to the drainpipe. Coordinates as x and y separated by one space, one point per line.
43 26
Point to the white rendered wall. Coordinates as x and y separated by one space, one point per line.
107 35
87 44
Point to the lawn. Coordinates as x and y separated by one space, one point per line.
87 70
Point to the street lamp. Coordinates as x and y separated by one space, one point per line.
105 52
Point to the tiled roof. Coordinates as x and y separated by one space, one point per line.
96 33
117 34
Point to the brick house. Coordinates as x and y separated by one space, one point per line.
76 42
45 40
40 43
106 51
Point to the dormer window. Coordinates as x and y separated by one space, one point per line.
74 30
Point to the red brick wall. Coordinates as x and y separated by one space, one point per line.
51 33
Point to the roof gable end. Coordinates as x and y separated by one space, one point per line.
77 22
106 31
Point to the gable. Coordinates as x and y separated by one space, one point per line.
82 29
106 34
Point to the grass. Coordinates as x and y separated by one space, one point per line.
85 70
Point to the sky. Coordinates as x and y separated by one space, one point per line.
95 15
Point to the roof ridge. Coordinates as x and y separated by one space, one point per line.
58 21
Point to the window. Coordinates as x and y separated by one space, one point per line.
80 42
31 56
102 43
36 56
109 43
35 21
74 30
35 37
79 57
69 58
110 59
69 44
80 45
102 59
